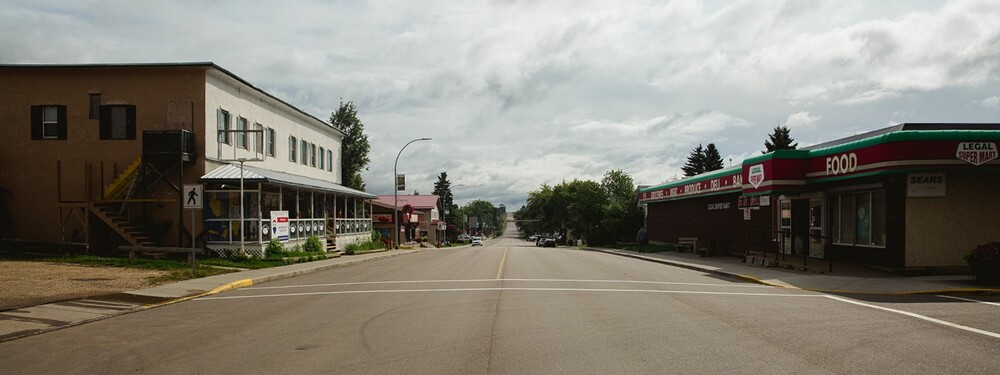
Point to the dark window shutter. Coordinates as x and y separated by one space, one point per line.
62 122
36 122
130 121
105 122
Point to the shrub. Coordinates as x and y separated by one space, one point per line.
313 245
275 248
376 236
988 250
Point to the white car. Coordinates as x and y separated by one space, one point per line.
476 241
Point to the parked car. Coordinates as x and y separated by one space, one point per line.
464 237
533 238
476 241
549 242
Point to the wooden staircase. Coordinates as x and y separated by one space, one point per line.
331 242
109 213
110 209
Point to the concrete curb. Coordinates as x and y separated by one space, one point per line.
763 282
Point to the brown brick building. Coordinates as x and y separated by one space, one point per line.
98 154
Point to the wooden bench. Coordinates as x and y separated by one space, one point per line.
687 242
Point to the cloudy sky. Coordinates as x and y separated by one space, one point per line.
521 93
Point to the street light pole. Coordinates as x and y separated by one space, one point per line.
395 190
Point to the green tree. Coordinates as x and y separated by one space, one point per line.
779 139
442 188
713 161
622 215
695 163
354 148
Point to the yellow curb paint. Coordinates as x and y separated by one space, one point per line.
223 288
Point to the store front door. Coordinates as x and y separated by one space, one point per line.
800 226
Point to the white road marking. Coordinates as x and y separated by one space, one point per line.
918 316
735 285
970 300
509 289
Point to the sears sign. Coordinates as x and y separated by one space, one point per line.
976 153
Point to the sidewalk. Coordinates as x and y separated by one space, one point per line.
845 280
33 320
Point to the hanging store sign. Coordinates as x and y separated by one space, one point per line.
400 182
976 153
919 185
382 218
280 225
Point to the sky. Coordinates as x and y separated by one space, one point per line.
516 94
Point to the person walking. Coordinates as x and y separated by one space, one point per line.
642 239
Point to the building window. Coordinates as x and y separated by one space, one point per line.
269 141
258 138
322 153
858 218
291 148
312 155
118 122
48 122
329 160
223 126
305 152
241 136
95 106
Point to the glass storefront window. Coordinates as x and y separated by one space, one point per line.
878 218
846 219
863 219
858 218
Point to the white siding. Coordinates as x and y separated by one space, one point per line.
240 100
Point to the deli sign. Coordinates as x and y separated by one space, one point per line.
976 153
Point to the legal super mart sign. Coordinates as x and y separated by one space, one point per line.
976 153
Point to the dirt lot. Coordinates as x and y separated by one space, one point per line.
25 284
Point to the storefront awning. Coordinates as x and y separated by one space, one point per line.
230 173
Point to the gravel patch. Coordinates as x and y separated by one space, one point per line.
24 284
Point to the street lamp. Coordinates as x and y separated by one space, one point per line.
395 190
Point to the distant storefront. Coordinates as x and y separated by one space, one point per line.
910 197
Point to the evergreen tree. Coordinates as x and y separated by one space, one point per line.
780 139
713 161
442 188
696 162
354 148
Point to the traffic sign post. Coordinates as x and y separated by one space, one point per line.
194 194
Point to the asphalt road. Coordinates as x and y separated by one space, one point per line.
512 308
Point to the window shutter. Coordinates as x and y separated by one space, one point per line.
130 122
105 122
62 122
218 125
36 122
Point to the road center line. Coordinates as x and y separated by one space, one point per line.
508 289
502 261
735 285
918 316
970 300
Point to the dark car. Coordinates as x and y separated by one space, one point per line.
549 242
